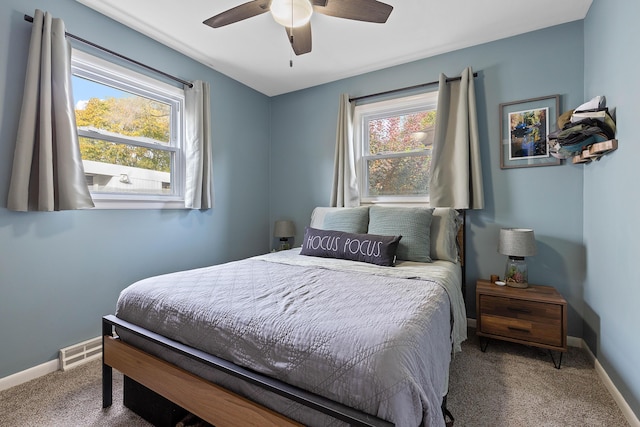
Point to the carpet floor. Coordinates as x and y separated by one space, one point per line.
508 385
513 385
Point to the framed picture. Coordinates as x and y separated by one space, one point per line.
524 127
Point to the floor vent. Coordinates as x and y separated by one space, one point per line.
80 353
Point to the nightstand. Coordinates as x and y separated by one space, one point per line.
535 316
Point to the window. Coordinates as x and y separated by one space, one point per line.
393 152
130 129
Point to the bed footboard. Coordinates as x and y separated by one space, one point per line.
202 398
208 401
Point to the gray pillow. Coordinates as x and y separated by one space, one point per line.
413 224
379 250
349 220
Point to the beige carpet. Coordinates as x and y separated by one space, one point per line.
515 385
509 385
72 398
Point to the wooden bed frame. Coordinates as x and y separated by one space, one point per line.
202 398
208 401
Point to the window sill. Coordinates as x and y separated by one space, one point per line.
128 203
424 202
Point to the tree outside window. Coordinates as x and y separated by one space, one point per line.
395 137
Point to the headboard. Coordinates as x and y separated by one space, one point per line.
460 236
460 239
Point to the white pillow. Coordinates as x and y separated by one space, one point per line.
444 231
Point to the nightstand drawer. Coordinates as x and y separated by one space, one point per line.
521 309
549 333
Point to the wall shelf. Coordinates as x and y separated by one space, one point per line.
595 151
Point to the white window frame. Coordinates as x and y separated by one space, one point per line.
375 110
104 72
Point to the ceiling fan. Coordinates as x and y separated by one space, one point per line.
294 15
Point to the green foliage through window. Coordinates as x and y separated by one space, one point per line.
398 160
125 155
133 116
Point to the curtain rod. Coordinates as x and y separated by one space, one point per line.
109 51
449 79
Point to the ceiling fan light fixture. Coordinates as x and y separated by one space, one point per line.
291 13
424 136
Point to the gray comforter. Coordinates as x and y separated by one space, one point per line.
378 339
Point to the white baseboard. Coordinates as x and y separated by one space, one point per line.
626 410
28 374
632 419
576 342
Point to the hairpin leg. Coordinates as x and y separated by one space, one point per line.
484 342
557 365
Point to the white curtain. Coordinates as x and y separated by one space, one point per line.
456 172
47 169
199 173
344 192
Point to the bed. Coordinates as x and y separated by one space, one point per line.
357 326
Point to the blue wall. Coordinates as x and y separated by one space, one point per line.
547 199
611 202
61 271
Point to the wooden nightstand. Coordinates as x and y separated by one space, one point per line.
535 316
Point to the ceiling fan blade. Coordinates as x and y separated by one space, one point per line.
358 10
239 13
319 2
300 38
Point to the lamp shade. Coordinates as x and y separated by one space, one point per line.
517 242
284 229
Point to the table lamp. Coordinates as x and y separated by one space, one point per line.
284 230
516 243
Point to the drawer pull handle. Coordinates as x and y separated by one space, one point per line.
519 310
511 328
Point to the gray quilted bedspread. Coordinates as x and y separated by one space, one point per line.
343 330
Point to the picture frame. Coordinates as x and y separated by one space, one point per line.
524 127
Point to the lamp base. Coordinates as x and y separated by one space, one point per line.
517 285
515 273
284 244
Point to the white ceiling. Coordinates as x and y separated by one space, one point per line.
256 51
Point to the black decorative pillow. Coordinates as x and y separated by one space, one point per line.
371 248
